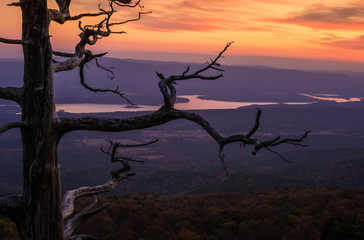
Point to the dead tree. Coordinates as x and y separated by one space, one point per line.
41 212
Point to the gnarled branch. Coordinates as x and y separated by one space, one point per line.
61 18
63 14
166 83
12 125
73 223
167 113
89 33
256 125
13 41
83 237
12 93
127 3
130 20
113 147
88 58
71 195
163 116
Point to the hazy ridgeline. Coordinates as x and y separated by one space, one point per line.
176 164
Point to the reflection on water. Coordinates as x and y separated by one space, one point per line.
99 108
332 97
298 103
194 103
328 95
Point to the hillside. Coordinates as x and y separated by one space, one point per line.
138 80
177 164
298 214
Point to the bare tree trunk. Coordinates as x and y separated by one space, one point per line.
42 194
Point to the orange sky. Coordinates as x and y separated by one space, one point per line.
330 30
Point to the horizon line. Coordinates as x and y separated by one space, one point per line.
287 63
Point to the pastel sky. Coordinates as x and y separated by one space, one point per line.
315 29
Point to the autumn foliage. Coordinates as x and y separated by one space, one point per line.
307 214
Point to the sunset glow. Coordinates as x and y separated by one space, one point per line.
331 30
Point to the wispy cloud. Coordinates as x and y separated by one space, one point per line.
196 15
320 16
356 43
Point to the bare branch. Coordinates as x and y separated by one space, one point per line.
79 16
71 195
16 4
105 69
130 20
256 125
12 125
88 58
134 145
73 223
163 116
167 113
222 158
166 83
89 36
64 6
127 3
13 41
12 93
279 155
83 237
69 64
64 54
293 141
63 14
112 152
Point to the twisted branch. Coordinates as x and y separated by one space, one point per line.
167 113
89 36
13 41
88 57
127 3
12 93
12 125
163 116
83 237
72 195
80 217
166 84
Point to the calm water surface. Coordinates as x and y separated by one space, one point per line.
194 103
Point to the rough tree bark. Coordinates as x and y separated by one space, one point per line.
40 212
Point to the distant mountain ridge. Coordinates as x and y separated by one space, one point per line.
306 64
137 78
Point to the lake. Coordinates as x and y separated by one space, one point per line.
195 102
